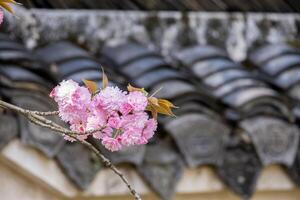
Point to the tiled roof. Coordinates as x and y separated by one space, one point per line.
279 65
183 5
234 118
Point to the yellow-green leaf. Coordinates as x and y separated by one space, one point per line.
152 106
167 103
130 88
91 85
153 100
165 109
152 110
6 6
160 106
9 1
104 80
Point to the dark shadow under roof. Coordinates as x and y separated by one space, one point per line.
181 5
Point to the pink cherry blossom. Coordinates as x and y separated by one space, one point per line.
95 122
136 120
111 144
148 132
78 127
64 91
73 113
73 101
118 116
130 137
110 98
137 100
68 138
82 137
81 97
114 122
106 132
126 108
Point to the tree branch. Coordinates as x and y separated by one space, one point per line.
37 118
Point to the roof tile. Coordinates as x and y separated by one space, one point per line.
79 164
162 168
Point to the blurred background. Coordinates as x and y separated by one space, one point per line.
232 67
180 5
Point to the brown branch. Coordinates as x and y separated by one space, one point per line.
37 118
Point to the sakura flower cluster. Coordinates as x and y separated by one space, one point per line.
118 117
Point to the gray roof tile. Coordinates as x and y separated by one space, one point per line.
162 168
200 139
126 53
132 155
63 51
281 63
275 140
199 135
241 168
198 53
41 138
9 128
268 52
79 164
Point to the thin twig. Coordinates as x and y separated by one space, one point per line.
26 112
49 113
37 119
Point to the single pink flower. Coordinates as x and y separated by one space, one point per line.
64 91
149 130
82 137
110 98
135 120
114 122
111 144
68 138
106 132
78 127
142 141
126 108
81 97
130 137
137 100
73 114
98 135
74 102
95 122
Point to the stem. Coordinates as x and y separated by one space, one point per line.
46 113
37 118
154 93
